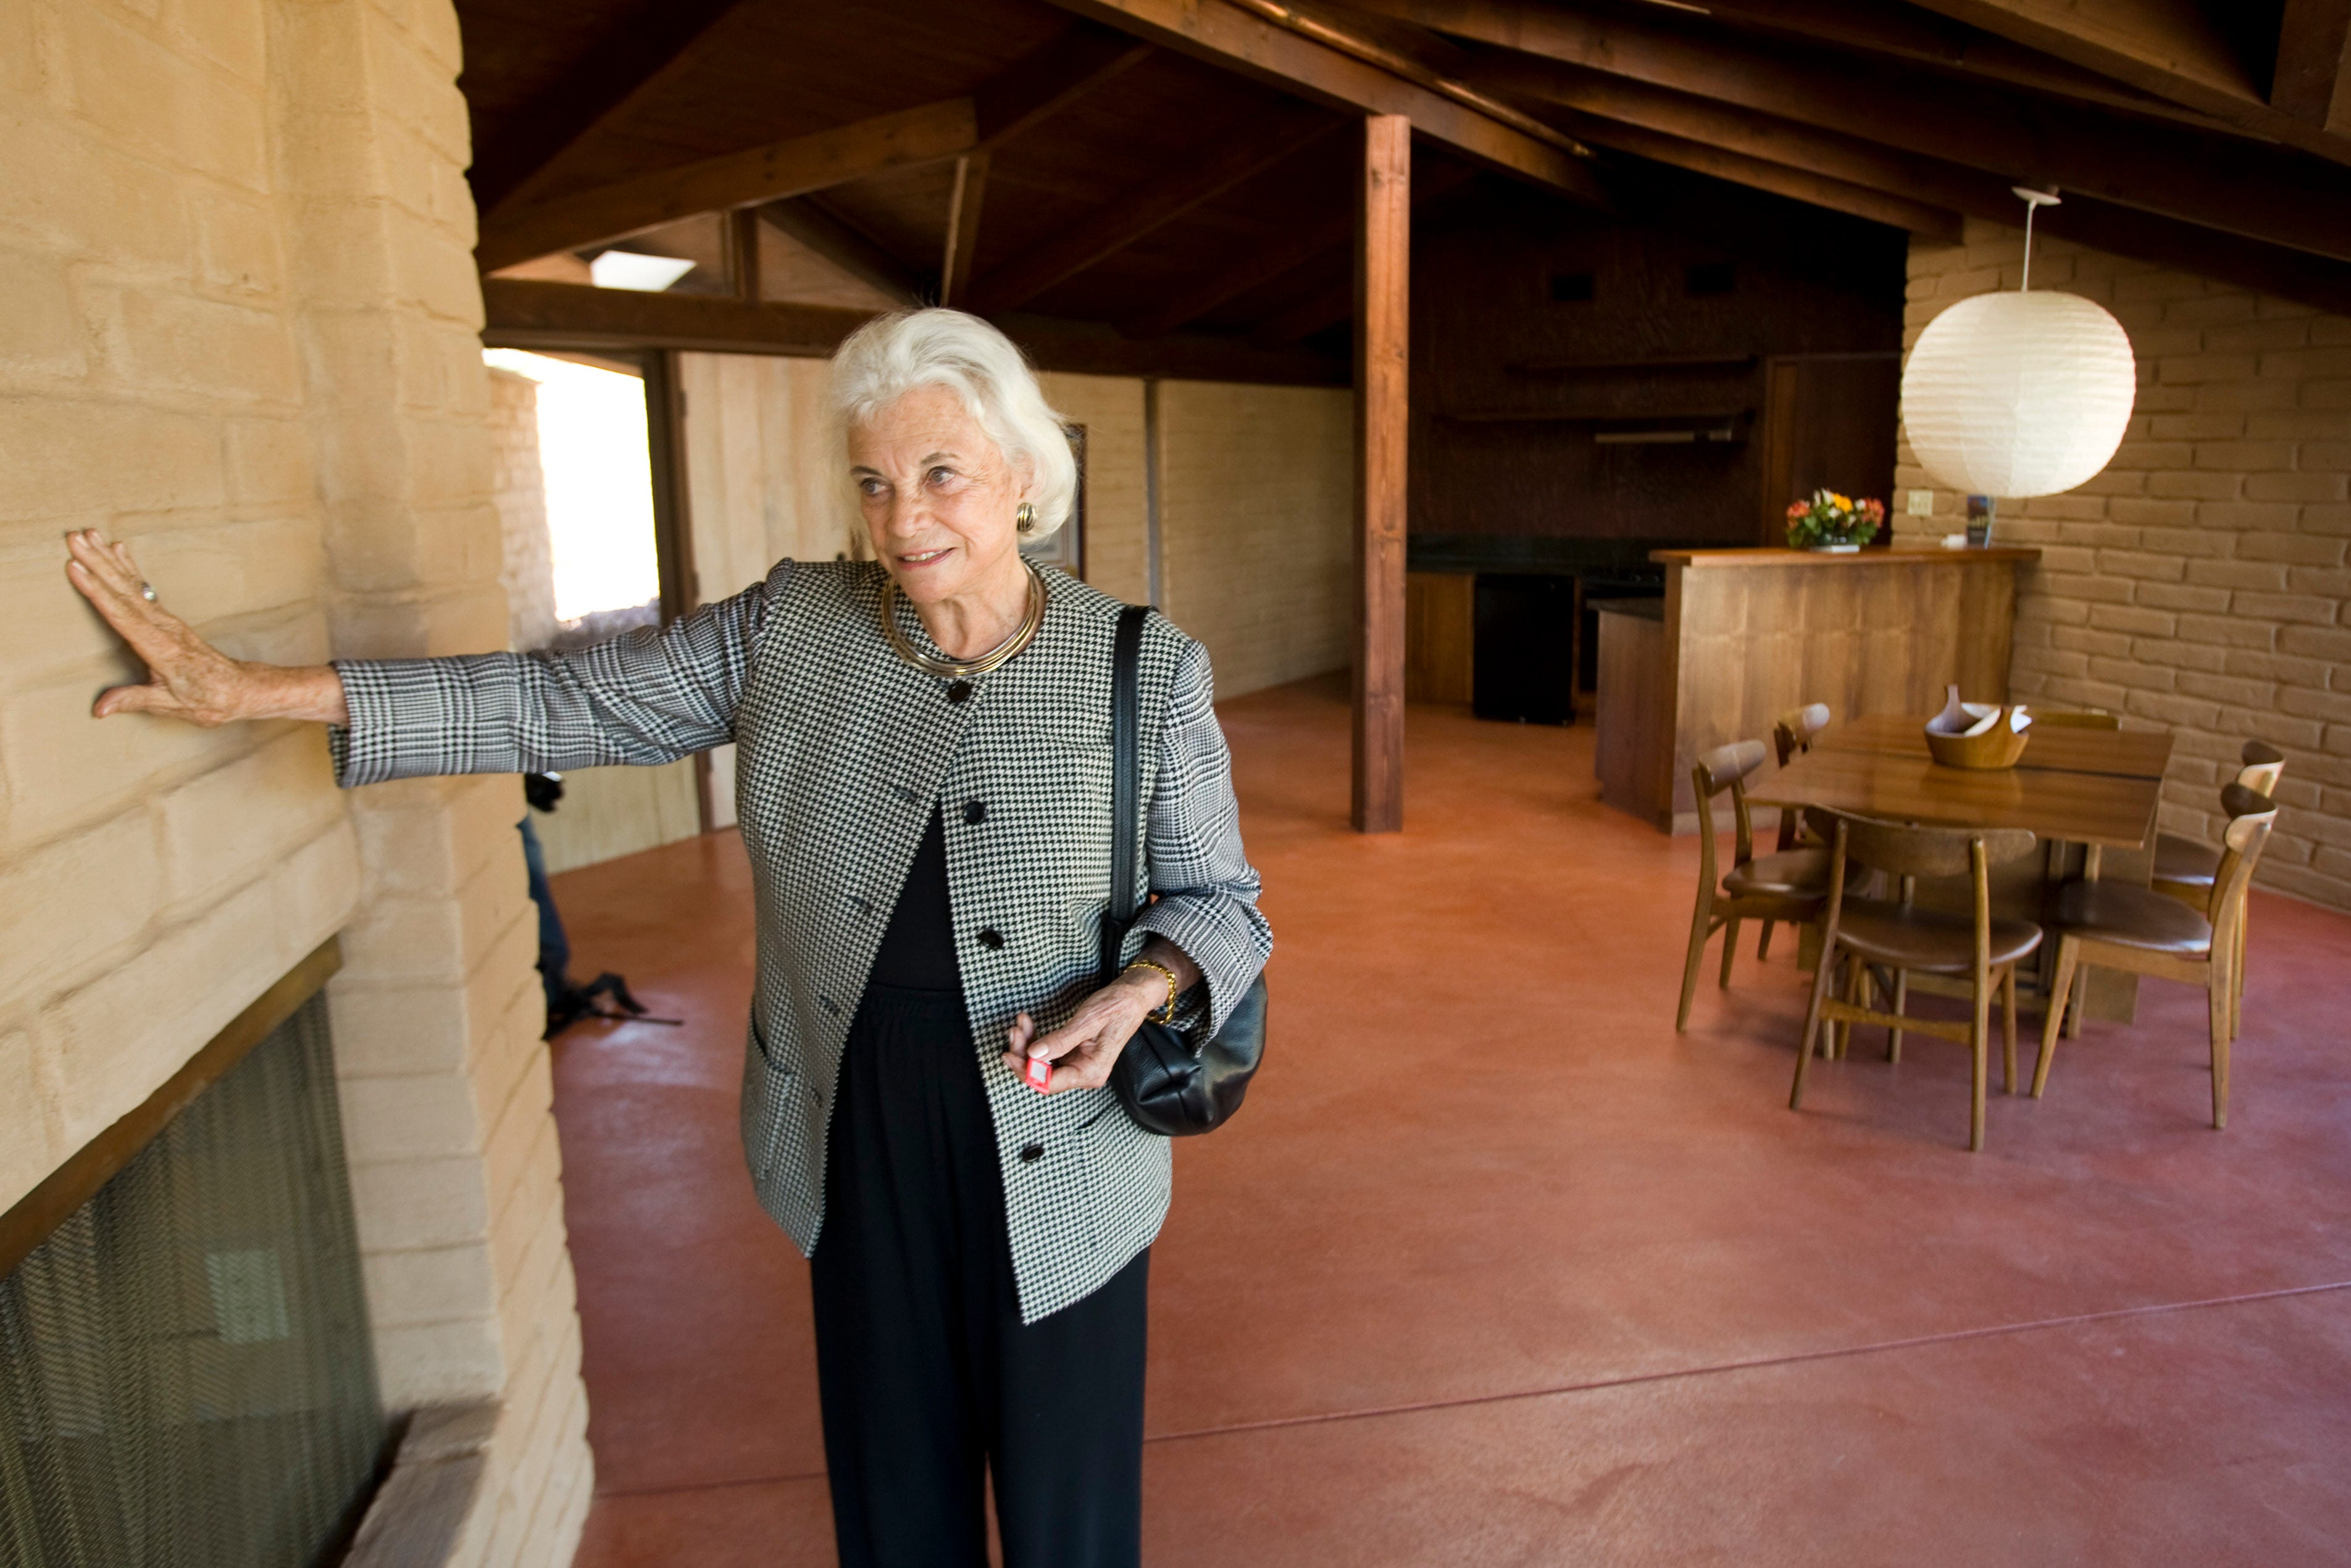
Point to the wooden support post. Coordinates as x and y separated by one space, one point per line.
743 253
1382 320
963 229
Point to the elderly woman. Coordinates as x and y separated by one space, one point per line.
924 779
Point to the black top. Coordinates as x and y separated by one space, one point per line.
918 949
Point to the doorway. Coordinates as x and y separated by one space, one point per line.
576 486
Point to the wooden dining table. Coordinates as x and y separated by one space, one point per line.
2075 786
2092 793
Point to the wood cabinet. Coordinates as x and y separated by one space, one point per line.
1440 617
1632 749
1746 634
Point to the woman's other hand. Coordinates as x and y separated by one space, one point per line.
1083 1050
187 677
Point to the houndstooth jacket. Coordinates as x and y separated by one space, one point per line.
843 752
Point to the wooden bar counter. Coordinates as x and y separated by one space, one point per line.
1747 634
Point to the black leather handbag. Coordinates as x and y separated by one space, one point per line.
1166 1085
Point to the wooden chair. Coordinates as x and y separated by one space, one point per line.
2189 871
2183 867
2118 927
1867 932
2087 718
1789 886
1791 736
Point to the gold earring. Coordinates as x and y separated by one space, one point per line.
1024 517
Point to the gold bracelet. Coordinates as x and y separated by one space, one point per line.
1158 1015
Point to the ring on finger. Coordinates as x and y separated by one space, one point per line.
147 591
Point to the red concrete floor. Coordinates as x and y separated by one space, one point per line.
1497 1269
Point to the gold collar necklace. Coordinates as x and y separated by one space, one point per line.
962 669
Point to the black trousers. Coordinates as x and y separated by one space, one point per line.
927 1377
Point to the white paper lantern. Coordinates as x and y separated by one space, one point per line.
2019 395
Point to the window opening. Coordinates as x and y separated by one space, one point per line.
575 498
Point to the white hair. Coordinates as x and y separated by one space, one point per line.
892 355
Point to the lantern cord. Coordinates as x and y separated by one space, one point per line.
2033 201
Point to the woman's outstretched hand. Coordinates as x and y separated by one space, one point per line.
1083 1050
187 677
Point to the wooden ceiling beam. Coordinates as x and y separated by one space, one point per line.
963 228
2168 48
1326 308
1864 162
2313 79
793 167
1134 213
1908 33
1894 209
1049 79
527 152
856 253
522 314
1282 253
2238 187
1597 99
2298 276
1225 34
1023 94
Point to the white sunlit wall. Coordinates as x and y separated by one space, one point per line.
598 479
588 473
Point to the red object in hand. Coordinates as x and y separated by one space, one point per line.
1037 1073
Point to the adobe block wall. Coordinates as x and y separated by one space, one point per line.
1256 526
1117 545
2198 584
235 239
519 490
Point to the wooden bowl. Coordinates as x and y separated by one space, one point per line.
1996 748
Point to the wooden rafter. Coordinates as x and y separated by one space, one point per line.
963 228
1908 33
525 314
1232 38
1600 100
817 227
531 149
924 134
1742 168
1866 163
1045 80
1158 201
2312 280
2169 48
2240 187
2313 79
1302 243
1319 311
1052 78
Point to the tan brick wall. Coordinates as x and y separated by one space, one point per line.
2199 583
1256 526
241 332
519 490
1111 407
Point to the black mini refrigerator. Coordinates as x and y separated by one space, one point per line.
1524 660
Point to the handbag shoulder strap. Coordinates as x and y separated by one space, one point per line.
1126 779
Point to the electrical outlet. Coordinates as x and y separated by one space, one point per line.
1919 502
